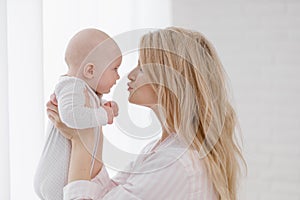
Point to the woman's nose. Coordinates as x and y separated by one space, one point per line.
131 75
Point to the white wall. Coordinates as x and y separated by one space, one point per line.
258 42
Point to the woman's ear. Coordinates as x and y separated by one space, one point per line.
89 70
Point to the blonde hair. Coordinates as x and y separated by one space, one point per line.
191 86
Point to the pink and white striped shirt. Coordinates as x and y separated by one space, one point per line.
164 171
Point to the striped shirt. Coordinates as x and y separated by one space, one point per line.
162 171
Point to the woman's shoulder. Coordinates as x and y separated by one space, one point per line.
149 146
173 151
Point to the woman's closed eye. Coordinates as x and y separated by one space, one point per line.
139 66
140 69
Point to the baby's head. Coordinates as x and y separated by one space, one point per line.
94 57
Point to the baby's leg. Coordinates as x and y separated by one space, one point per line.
51 175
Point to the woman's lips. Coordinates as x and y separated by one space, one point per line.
129 86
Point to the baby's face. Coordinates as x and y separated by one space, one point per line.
109 77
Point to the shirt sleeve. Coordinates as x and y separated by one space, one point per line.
160 177
94 189
70 94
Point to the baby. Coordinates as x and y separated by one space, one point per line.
93 59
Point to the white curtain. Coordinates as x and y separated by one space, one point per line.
4 140
33 36
22 104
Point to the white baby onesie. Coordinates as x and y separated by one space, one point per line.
79 108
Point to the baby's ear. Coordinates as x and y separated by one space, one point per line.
89 70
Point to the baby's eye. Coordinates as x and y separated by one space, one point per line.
141 70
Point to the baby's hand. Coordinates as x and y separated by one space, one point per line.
114 106
110 114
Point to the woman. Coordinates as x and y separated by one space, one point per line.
180 77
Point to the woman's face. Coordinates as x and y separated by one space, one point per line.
140 89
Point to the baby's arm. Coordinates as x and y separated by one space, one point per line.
75 112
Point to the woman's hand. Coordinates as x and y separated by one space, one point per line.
53 115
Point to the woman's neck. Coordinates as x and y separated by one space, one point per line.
165 132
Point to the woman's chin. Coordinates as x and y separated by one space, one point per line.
130 100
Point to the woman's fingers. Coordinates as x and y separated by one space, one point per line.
51 106
52 112
53 116
87 99
53 99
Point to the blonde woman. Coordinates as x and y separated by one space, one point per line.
180 77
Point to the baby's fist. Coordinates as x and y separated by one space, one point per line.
114 106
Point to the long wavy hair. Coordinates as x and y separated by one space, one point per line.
192 91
